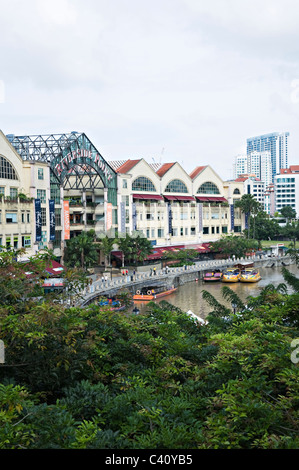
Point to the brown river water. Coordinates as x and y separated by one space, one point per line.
189 296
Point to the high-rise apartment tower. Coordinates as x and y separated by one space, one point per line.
277 144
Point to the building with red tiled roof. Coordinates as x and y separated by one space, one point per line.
291 169
164 168
197 171
127 166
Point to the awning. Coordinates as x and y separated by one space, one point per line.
160 251
56 282
211 199
185 198
55 268
148 196
180 198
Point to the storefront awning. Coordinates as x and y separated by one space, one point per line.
211 199
180 198
148 196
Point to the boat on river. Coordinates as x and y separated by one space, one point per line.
213 276
250 275
115 304
231 275
152 293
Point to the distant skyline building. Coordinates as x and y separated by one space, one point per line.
256 163
286 188
240 166
277 144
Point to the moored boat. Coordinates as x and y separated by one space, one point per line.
115 304
212 276
152 293
250 275
231 275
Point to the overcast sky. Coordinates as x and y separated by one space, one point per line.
166 80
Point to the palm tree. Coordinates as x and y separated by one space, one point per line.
82 250
248 205
106 246
124 245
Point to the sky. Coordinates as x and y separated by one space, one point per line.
164 80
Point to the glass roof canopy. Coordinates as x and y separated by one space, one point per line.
69 155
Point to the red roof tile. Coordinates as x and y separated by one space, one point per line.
127 166
164 168
196 171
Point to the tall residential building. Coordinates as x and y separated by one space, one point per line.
240 166
260 164
255 163
277 144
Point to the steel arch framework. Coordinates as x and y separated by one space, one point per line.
72 158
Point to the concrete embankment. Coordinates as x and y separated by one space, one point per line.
174 277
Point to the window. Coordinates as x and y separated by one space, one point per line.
186 231
237 191
15 242
57 217
6 170
8 243
237 228
43 243
13 193
208 188
160 232
153 233
2 190
182 231
28 217
11 217
41 194
176 186
205 230
23 217
224 229
44 216
125 184
55 193
26 241
193 231
143 184
174 232
40 173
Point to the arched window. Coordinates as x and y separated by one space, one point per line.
143 184
237 191
6 170
208 188
176 186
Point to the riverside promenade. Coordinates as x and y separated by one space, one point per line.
174 276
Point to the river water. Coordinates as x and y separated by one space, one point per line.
189 296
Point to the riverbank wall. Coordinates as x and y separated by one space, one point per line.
174 276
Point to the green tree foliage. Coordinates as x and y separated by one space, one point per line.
135 247
249 206
230 245
288 212
91 378
82 251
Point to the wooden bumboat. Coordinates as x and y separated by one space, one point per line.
148 293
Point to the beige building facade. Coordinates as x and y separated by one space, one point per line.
172 207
